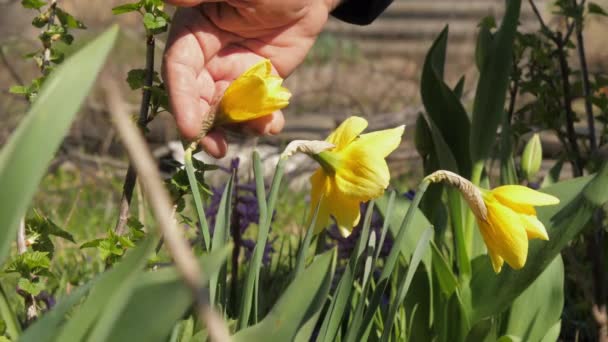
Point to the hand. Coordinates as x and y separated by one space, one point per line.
212 42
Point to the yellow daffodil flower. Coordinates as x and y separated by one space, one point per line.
254 94
351 172
505 215
510 222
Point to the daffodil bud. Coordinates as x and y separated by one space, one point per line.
532 157
254 94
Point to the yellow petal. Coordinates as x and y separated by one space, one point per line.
504 233
508 194
345 209
248 98
262 69
496 260
380 142
362 176
348 131
534 228
319 188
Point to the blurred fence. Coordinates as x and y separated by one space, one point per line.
408 27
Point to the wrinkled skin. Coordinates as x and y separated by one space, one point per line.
213 42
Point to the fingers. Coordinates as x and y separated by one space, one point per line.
189 3
268 125
215 144
192 41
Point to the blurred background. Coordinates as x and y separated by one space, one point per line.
372 71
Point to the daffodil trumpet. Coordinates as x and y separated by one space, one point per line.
352 170
505 215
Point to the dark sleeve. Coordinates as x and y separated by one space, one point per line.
360 12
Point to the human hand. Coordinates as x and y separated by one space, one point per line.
212 42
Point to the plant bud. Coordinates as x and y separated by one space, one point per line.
532 157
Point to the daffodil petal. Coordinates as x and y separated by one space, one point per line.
319 186
517 194
496 260
345 210
534 228
506 235
262 69
248 98
380 142
362 176
348 131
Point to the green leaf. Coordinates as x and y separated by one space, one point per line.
107 298
45 329
221 235
34 4
488 107
33 288
446 278
416 229
489 293
19 90
159 300
24 158
444 112
127 8
540 306
30 263
302 299
405 281
596 9
155 24
68 20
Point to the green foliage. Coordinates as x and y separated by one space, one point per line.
113 247
155 20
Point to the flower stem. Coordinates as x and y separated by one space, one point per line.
470 218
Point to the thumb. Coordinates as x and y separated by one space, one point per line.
189 3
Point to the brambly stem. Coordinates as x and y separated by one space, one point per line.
142 120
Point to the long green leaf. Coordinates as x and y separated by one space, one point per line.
24 158
300 302
115 286
540 306
443 106
221 231
159 300
46 327
405 281
488 107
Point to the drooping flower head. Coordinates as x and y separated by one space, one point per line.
254 94
511 221
505 215
351 172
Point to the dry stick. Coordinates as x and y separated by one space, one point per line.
159 200
131 177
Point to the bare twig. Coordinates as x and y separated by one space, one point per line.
160 202
130 178
580 46
577 162
21 243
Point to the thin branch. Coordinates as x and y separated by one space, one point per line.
159 200
130 178
46 55
580 46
